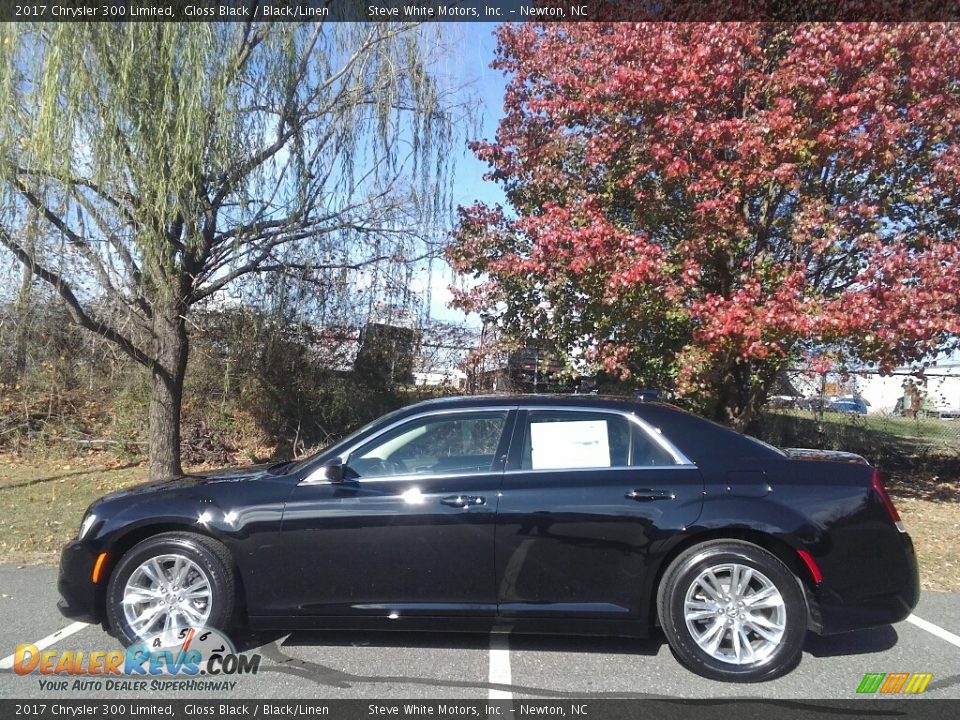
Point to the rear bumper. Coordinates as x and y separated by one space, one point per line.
78 593
888 599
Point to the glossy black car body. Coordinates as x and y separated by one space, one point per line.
577 550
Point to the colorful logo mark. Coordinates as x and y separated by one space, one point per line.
894 683
179 651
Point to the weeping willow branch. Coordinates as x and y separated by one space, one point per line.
166 162
74 306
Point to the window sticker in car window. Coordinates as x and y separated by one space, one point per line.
579 444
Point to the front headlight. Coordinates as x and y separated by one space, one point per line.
85 526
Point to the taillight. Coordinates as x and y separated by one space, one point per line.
811 566
887 502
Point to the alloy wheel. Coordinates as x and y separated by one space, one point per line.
735 614
166 592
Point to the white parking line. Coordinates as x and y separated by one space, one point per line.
49 640
499 666
934 630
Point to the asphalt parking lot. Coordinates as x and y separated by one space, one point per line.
439 666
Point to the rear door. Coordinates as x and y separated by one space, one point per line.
588 496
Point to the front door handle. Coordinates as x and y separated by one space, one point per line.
463 501
649 495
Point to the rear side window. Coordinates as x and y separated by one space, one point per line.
646 452
566 439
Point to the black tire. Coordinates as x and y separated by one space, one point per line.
680 577
207 553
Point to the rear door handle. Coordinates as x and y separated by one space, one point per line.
463 501
649 495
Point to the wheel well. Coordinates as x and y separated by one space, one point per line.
786 554
125 542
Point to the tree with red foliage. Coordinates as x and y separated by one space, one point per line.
698 205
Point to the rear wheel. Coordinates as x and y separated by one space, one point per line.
733 611
168 581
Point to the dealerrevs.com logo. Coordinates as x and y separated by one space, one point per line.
902 683
172 660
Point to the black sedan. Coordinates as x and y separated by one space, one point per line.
520 513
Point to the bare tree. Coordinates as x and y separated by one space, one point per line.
161 163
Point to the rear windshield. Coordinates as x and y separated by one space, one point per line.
699 438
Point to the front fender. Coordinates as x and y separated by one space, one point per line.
245 517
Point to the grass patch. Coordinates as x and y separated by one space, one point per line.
45 501
934 527
934 431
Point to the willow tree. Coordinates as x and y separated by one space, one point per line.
146 167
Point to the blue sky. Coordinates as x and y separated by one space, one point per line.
471 50
478 44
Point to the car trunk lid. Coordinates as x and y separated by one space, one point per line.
827 455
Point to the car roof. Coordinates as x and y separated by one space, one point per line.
544 400
696 437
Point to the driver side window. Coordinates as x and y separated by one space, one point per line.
438 445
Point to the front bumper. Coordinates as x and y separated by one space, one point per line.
79 596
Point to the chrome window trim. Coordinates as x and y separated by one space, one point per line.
317 476
413 477
601 468
406 477
653 433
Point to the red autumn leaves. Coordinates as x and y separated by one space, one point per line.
723 194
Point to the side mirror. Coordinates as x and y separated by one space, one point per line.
333 470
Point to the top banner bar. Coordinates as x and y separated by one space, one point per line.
478 10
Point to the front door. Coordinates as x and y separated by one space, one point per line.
587 498
410 530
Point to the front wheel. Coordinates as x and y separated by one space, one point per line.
733 611
169 581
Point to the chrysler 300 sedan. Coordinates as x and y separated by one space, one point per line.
575 514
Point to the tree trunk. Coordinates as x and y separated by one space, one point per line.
742 393
167 398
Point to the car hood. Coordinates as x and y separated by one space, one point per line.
192 480
829 455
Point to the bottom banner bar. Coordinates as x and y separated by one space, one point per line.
606 709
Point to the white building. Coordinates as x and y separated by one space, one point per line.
453 378
939 386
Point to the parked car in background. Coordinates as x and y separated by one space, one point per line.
571 514
850 406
